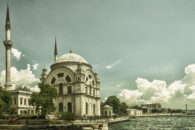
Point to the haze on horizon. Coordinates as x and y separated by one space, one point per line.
142 50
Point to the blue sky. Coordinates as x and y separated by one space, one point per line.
121 39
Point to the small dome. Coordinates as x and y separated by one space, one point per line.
107 106
71 57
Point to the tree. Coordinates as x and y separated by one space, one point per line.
123 108
114 102
5 101
43 101
68 116
118 108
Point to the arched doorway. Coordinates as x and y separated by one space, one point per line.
105 113
94 109
109 113
69 107
60 107
86 108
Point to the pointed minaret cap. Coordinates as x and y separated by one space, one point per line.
7 24
55 49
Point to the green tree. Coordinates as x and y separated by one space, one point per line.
118 108
114 102
68 116
43 101
123 108
5 101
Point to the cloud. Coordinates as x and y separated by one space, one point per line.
174 95
32 89
35 89
16 53
35 66
113 65
23 77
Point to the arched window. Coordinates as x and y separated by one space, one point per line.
105 113
69 89
69 106
21 101
94 109
68 79
89 76
94 92
24 101
60 89
60 75
86 107
86 90
93 83
53 80
109 113
60 107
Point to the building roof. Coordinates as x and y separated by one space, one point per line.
71 57
107 106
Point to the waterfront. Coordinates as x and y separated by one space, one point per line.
156 123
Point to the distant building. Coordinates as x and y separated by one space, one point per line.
134 112
151 108
20 99
107 111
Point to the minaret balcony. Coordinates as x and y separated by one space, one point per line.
8 44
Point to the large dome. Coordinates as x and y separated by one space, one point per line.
71 57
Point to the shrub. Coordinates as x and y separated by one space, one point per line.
68 116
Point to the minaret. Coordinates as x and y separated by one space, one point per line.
8 45
43 75
55 51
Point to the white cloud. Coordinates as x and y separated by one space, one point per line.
113 65
175 95
35 66
35 88
16 53
21 77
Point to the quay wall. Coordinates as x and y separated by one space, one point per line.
41 124
162 114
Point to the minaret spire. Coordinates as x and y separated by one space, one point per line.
8 45
7 25
55 51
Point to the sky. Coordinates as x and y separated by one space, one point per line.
142 50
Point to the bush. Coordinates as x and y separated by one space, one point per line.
68 116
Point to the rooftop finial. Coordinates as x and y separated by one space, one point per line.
55 49
7 22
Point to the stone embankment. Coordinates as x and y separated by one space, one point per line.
162 114
41 124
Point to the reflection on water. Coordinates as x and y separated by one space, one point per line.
157 123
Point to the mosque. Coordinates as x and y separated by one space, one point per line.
77 85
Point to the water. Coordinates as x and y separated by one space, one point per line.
157 123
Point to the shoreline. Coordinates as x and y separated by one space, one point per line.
90 124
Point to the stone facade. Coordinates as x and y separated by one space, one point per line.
107 111
77 85
134 112
20 99
151 107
